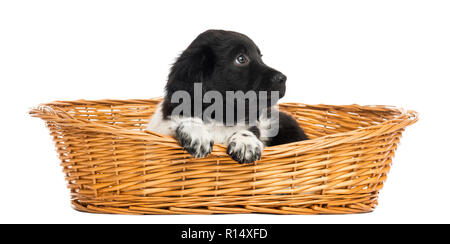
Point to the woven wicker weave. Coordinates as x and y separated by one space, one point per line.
112 165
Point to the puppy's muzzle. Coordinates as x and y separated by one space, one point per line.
279 78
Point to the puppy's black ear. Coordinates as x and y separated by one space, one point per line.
195 64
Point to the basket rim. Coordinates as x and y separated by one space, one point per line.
52 112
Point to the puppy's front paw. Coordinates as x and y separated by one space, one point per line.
244 147
194 138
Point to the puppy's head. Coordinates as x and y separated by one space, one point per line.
224 61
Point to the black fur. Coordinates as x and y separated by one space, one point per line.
209 59
289 131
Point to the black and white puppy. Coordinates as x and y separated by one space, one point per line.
222 61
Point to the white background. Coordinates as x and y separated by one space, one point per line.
334 52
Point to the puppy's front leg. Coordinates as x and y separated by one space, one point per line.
244 147
194 137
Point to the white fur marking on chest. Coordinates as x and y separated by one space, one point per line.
219 132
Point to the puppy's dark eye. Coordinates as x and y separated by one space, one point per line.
241 59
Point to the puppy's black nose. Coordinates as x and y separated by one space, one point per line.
279 78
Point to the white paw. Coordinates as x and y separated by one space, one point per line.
244 147
194 137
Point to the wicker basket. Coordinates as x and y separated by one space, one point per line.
113 165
